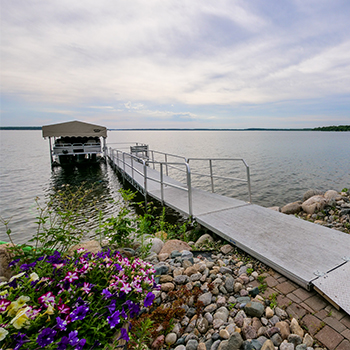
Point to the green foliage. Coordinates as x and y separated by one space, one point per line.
273 301
141 334
60 223
249 271
345 190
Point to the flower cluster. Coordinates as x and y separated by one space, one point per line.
79 302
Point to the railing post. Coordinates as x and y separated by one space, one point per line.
249 188
211 175
161 184
145 179
166 164
154 165
189 189
124 168
132 166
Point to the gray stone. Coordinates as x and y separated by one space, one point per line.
229 283
312 192
294 339
254 309
181 279
276 339
170 338
235 341
180 347
192 344
249 332
216 345
221 313
208 344
301 347
156 244
281 313
291 208
225 249
287 346
315 203
268 345
202 325
224 270
186 255
205 298
206 238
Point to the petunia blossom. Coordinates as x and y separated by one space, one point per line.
4 303
3 333
124 334
114 319
79 313
47 299
61 324
46 337
149 299
71 276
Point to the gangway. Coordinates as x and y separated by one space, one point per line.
311 255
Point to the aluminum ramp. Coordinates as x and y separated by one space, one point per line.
306 253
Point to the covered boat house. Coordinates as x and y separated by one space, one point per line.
75 142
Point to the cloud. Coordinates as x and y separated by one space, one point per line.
117 56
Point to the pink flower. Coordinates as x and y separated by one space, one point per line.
86 287
126 288
71 276
4 303
63 309
47 299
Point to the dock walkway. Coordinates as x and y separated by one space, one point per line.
311 255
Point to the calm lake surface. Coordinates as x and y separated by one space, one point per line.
283 165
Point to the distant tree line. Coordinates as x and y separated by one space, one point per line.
333 128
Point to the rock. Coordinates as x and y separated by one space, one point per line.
249 332
181 279
292 208
310 193
276 339
294 339
170 339
281 313
174 244
157 344
268 345
202 325
163 257
216 345
225 249
295 328
167 287
205 298
301 347
221 313
269 312
308 340
156 244
332 195
275 208
315 203
286 346
5 258
284 329
206 238
90 246
201 346
235 341
192 344
224 334
254 309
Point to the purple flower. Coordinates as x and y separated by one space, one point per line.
61 324
19 339
118 267
79 313
111 306
79 345
26 267
106 293
14 262
4 303
73 337
114 319
62 345
149 299
133 308
124 334
46 337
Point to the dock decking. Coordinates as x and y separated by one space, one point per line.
306 253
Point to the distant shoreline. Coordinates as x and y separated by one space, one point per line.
323 128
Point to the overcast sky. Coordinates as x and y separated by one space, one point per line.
181 63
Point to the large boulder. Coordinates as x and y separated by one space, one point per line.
332 195
202 240
313 204
156 244
292 208
174 244
5 258
310 193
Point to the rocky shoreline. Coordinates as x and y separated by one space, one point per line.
330 209
241 305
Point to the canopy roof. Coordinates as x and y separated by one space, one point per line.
74 128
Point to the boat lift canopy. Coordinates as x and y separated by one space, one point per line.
74 128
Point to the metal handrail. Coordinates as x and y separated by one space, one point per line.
145 163
121 157
212 176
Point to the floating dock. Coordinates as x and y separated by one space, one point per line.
311 255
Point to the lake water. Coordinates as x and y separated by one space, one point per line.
283 165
